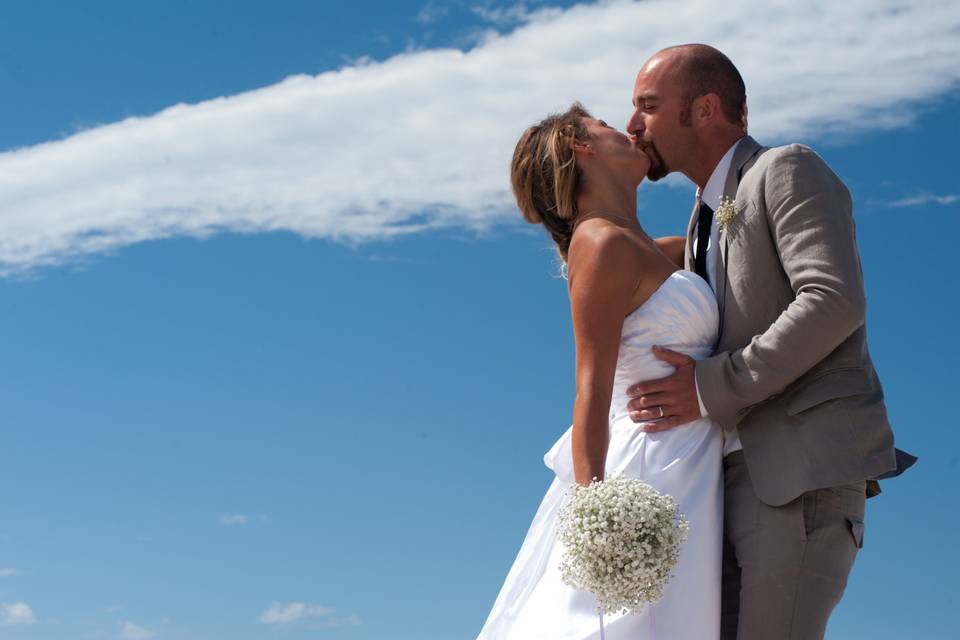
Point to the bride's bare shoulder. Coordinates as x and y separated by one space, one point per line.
598 238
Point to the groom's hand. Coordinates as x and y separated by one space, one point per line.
658 405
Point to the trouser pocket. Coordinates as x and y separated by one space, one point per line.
834 508
856 530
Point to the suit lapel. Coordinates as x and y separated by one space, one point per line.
747 149
691 228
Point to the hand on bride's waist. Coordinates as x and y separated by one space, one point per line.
665 403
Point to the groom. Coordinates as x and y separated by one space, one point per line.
791 381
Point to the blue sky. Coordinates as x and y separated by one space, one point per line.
285 364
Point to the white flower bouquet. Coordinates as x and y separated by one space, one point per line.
622 539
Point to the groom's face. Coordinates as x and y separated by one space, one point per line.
656 119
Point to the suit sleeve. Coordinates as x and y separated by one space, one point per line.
810 219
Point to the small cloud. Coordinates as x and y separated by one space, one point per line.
234 519
431 13
280 613
927 198
16 613
350 621
136 632
518 13
8 573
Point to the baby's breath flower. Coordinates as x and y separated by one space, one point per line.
621 538
726 212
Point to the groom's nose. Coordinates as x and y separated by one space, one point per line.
635 124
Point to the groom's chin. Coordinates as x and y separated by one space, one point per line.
658 169
656 173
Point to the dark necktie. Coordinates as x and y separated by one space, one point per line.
704 223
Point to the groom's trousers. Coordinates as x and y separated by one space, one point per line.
785 568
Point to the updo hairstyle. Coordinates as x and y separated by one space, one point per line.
545 176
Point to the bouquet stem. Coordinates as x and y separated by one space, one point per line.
653 623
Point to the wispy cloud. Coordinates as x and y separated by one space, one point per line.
240 519
422 140
131 631
347 621
280 613
9 572
917 201
508 14
432 12
15 613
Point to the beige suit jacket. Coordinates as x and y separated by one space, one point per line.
791 369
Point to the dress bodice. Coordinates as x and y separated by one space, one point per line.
680 315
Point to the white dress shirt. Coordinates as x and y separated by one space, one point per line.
710 196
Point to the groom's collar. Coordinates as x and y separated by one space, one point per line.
711 192
747 149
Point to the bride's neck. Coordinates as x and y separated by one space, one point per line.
609 200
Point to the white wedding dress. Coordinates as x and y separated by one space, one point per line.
685 462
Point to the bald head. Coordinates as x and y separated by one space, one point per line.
699 69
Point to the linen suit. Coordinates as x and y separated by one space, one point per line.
792 373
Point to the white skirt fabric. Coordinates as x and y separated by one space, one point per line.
685 462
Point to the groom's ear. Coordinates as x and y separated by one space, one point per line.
706 108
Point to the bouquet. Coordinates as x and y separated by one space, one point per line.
622 539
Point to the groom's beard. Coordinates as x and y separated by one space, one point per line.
658 168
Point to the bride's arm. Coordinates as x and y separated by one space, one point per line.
672 247
603 267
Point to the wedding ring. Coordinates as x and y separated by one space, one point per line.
661 411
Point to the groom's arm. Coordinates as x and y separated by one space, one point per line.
672 247
810 218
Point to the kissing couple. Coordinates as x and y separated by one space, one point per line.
728 368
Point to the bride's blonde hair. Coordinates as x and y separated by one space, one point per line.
545 176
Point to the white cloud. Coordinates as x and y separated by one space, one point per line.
12 613
9 572
506 15
921 200
432 12
131 631
279 613
349 621
423 140
232 519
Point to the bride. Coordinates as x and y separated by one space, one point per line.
578 177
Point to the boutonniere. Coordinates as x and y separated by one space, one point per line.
726 212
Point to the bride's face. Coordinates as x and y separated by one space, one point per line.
617 151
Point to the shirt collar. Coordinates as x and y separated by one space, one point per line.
710 195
